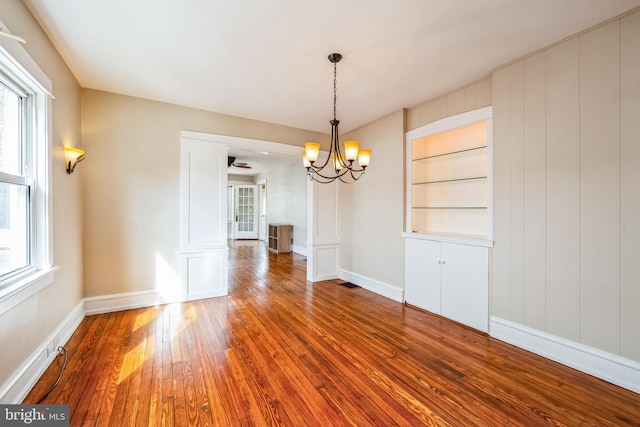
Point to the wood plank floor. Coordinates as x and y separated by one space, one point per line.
281 351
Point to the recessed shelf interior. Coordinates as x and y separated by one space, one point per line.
449 181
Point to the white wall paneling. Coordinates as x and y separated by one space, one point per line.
600 187
323 231
562 178
203 216
205 273
566 201
516 192
501 253
630 183
534 133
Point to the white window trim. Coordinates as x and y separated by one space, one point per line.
18 64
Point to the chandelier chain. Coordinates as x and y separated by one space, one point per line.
335 89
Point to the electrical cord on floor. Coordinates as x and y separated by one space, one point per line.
62 351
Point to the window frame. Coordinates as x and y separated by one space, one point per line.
22 176
21 72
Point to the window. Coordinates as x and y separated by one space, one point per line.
25 243
15 185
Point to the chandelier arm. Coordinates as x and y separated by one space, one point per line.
335 143
312 173
329 178
326 162
322 179
354 178
317 169
351 172
313 176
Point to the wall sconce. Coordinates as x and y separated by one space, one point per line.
72 156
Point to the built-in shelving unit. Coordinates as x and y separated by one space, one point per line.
280 237
449 181
448 222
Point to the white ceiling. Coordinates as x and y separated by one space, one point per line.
267 60
261 160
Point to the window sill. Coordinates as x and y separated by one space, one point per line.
22 288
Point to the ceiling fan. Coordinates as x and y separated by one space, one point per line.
231 161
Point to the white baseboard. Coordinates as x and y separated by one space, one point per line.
23 380
124 301
301 250
207 294
375 286
606 366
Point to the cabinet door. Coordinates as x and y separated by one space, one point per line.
465 284
422 274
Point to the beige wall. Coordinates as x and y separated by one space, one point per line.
372 208
25 327
471 97
131 184
566 189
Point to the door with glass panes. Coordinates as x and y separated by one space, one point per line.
246 212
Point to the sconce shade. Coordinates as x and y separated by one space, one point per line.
72 156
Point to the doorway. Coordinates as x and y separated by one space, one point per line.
204 213
245 224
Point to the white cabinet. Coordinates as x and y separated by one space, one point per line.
449 277
423 274
448 217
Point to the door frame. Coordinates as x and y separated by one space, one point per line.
237 234
262 206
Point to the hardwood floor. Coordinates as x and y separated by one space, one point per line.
281 351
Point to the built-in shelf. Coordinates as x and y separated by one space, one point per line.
450 153
449 207
449 180
448 171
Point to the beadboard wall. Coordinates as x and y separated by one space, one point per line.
566 189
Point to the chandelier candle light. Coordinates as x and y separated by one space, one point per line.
339 165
